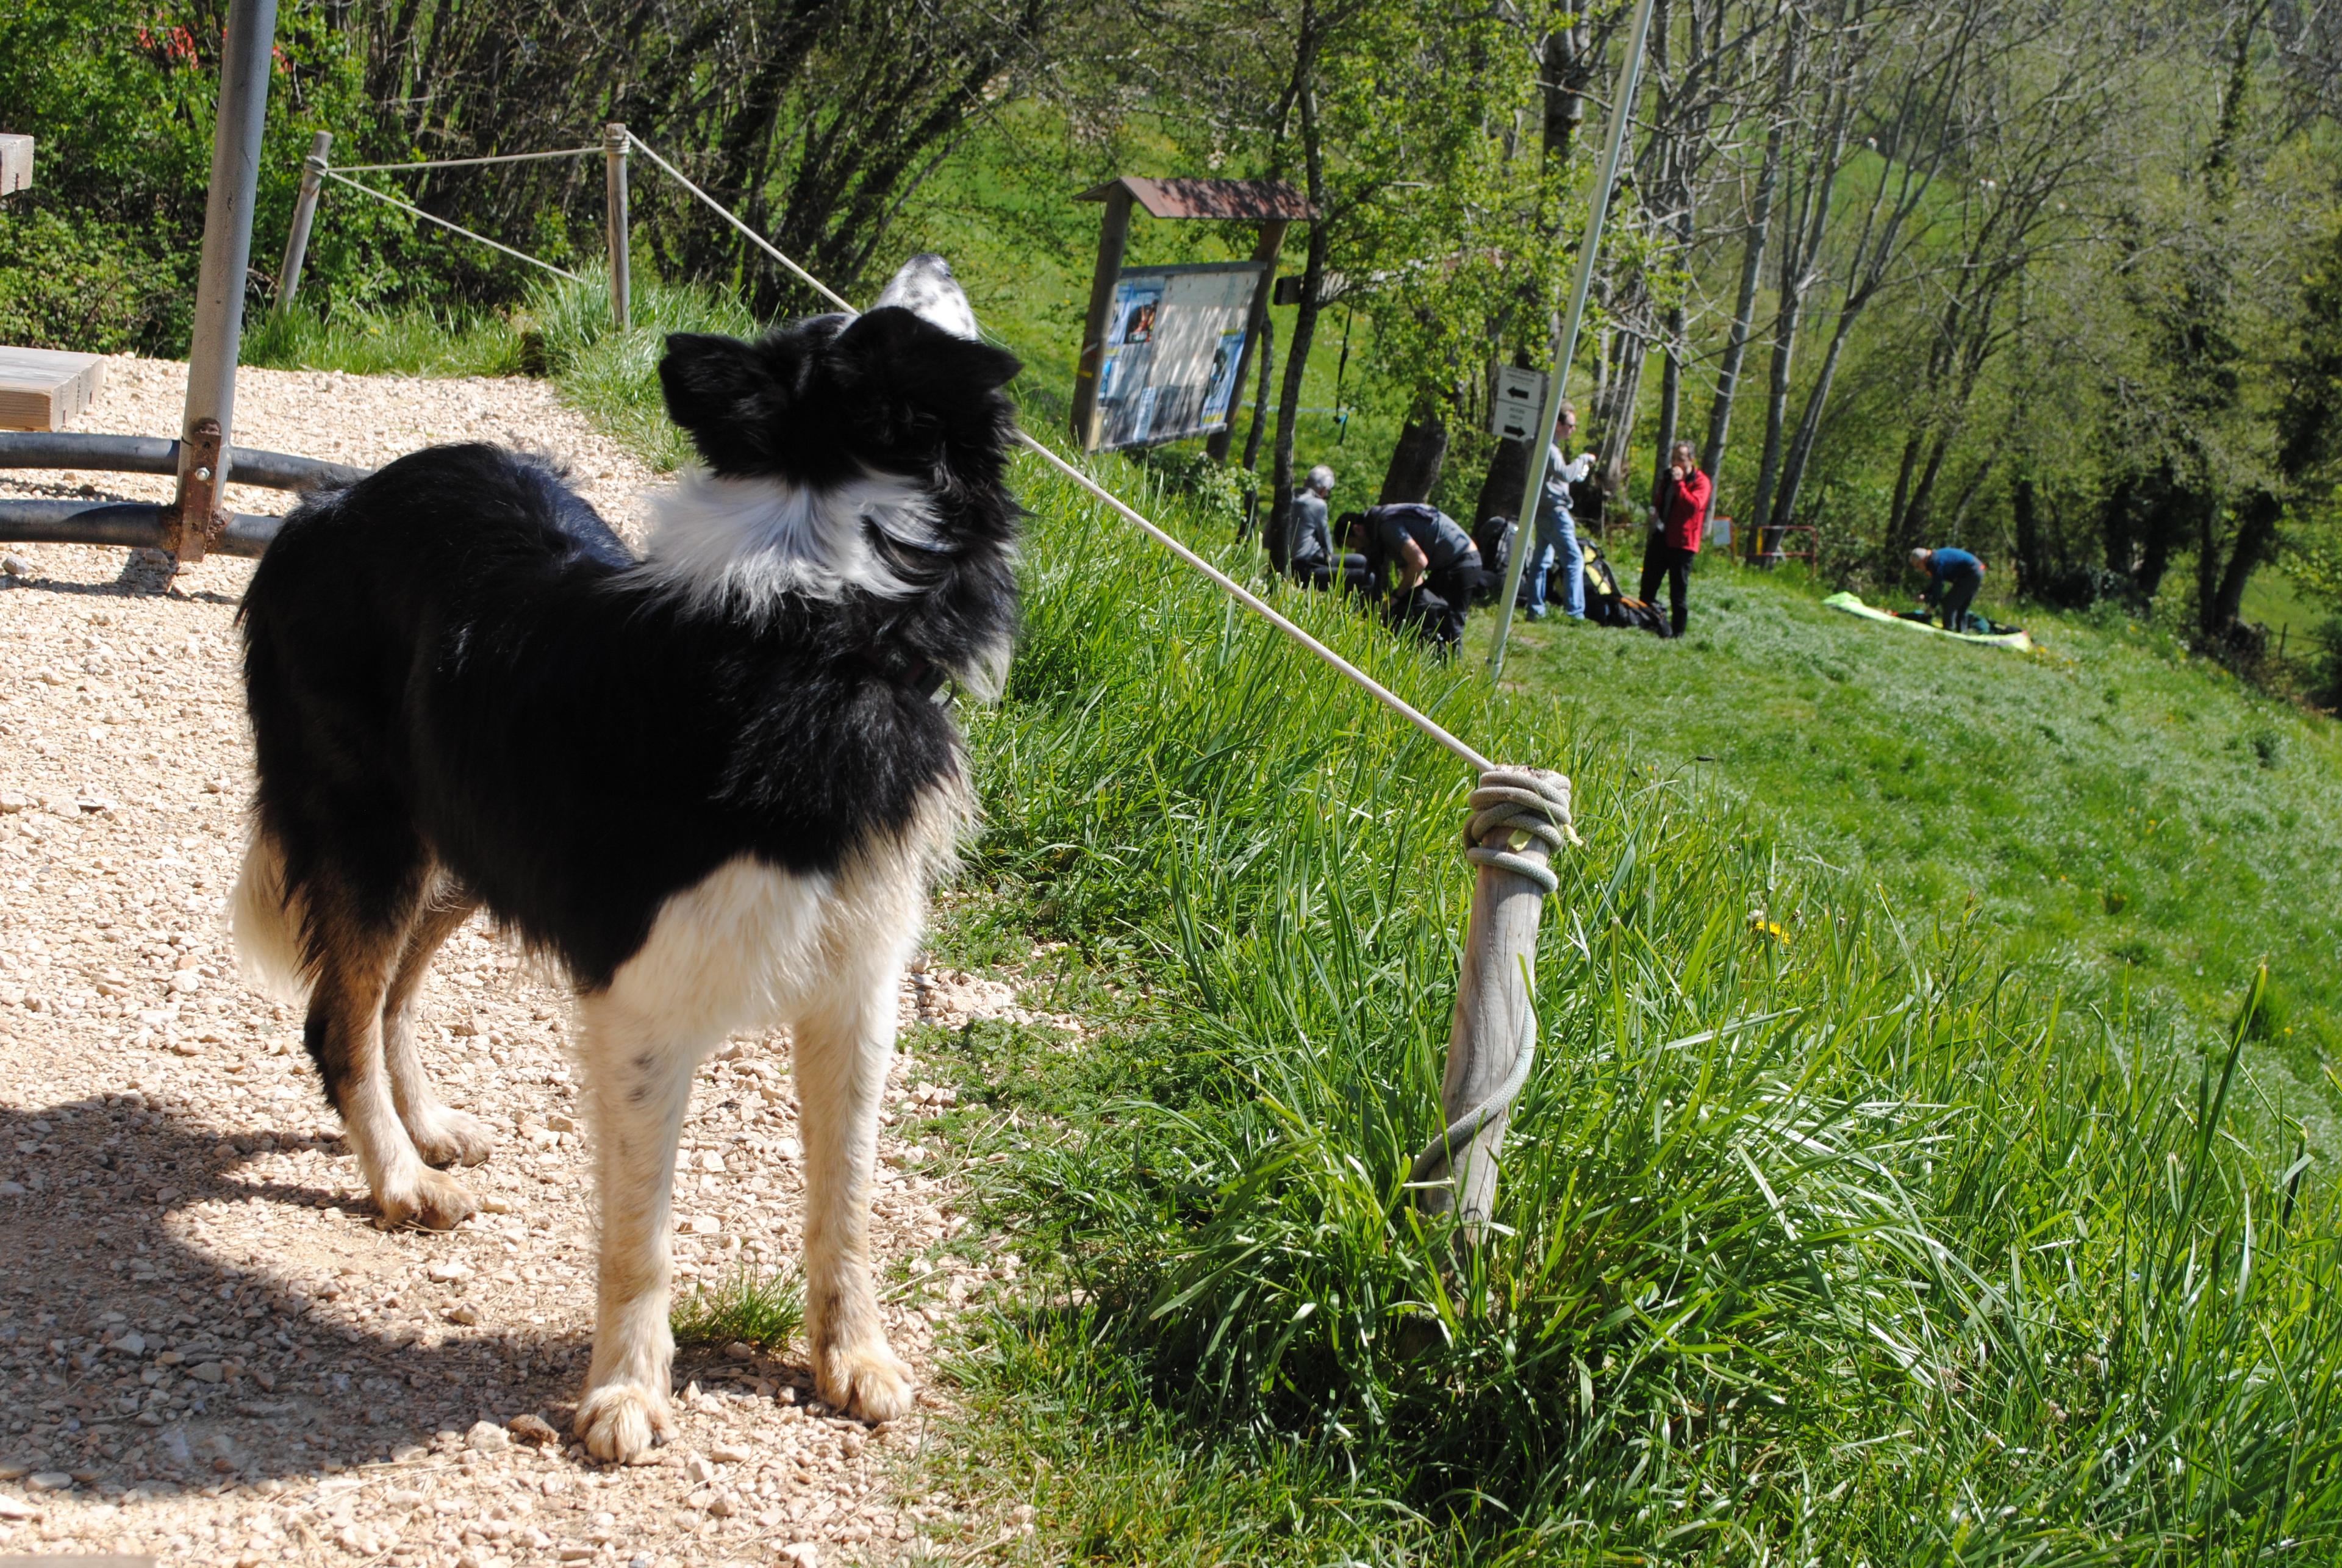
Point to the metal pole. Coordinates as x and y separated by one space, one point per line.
304 211
210 418
1564 346
614 190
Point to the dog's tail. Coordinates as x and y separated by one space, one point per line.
268 924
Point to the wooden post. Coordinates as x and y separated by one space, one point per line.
1113 238
1263 251
1493 1012
305 213
614 207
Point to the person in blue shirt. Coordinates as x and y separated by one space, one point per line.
1556 528
1953 578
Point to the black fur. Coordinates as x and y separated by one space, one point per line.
455 669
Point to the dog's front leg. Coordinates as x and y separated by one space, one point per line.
637 1088
842 1052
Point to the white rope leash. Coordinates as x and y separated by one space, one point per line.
464 162
1252 601
721 211
443 223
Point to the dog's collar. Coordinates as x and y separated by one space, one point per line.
906 669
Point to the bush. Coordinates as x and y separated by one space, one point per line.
67 281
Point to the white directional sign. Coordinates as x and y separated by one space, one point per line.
1519 403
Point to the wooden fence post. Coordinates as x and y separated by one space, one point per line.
1114 237
305 213
1494 1020
613 192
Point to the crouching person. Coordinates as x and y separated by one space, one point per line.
1953 578
1430 566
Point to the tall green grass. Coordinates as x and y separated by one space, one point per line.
1843 1242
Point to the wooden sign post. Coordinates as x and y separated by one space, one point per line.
1272 204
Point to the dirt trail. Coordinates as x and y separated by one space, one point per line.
207 1351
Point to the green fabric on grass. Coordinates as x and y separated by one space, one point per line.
1853 605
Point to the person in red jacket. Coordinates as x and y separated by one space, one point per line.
1678 518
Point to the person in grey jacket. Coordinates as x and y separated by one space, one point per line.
1556 529
1308 543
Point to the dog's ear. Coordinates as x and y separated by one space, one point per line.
717 388
919 362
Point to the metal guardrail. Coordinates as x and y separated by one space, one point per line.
154 455
127 524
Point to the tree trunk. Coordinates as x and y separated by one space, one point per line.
1776 402
1565 97
1500 488
1670 396
1260 396
1305 325
2256 522
2031 570
1416 460
1744 314
1793 469
1619 430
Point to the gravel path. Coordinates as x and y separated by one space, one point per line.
207 1351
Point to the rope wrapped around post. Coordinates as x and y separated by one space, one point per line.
1520 818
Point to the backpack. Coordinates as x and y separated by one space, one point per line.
1607 606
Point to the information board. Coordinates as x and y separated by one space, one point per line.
1174 339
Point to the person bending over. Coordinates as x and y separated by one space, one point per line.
1953 578
1678 518
1436 563
1556 528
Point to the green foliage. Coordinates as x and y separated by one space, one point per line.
1215 492
67 280
102 253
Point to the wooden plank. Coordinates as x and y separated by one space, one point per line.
15 163
45 389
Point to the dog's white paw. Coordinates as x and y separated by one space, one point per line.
430 1201
619 1421
448 1137
867 1380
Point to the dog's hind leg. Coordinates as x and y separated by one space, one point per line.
638 1087
442 1135
355 956
842 1045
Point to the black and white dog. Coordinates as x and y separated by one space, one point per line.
712 786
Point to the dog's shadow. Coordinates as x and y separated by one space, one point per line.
235 1373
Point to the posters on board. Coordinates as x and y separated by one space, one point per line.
1175 339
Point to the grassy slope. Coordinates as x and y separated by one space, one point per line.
2119 816
1918 1268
